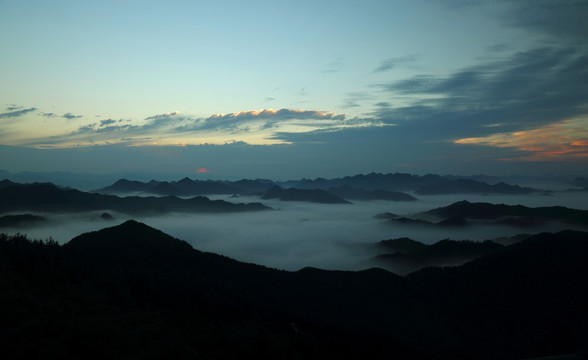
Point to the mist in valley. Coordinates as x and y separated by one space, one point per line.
299 234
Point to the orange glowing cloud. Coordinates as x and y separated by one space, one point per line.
202 170
564 141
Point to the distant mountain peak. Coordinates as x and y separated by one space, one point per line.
186 180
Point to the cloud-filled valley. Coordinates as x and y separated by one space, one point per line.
294 235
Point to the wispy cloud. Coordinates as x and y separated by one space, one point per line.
564 20
567 140
70 116
395 62
174 128
16 113
269 117
334 66
526 91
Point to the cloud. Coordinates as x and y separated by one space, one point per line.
165 116
202 170
16 113
395 62
70 116
526 91
107 122
172 128
567 140
269 117
564 20
353 99
334 67
162 120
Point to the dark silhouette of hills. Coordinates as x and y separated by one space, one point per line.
358 187
131 291
188 187
510 213
348 192
106 216
464 213
529 299
48 197
6 183
403 244
21 220
405 255
426 185
450 222
310 195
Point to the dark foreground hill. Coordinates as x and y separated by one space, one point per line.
131 291
405 255
48 197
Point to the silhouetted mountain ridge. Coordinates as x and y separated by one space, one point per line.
358 187
133 291
487 211
48 197
405 255
427 184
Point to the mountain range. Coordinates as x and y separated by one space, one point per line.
359 187
425 185
502 213
131 291
49 197
404 255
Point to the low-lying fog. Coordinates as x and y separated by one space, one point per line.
299 234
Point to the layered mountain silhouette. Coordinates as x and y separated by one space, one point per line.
359 187
464 213
425 185
132 291
404 255
188 187
293 194
48 197
515 214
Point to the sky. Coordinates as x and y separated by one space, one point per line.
293 89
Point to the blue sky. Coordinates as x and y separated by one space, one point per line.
290 89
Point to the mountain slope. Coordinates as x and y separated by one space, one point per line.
488 211
133 291
426 185
48 197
